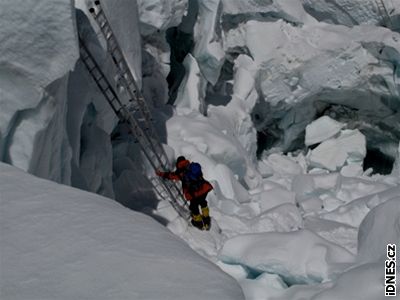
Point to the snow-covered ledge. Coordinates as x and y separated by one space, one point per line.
59 242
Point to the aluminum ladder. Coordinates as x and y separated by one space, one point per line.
384 13
167 190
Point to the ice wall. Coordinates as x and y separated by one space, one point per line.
159 15
306 63
39 47
316 67
54 122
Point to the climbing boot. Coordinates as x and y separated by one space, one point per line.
206 217
197 221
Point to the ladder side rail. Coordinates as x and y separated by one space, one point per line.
139 134
178 208
383 12
92 66
144 114
127 76
121 112
137 130
384 7
122 65
174 186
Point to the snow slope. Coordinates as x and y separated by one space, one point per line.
58 242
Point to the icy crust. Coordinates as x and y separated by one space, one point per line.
297 257
30 62
59 242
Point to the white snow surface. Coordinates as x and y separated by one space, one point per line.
379 228
363 282
58 242
298 257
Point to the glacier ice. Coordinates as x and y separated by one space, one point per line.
191 92
34 69
349 146
208 49
321 130
304 78
159 15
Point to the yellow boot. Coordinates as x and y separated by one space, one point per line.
197 221
206 217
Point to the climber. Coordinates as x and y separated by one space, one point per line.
195 189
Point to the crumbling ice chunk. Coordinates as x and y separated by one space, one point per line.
321 130
208 49
160 14
332 154
189 96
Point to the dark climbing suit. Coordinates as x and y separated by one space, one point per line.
195 192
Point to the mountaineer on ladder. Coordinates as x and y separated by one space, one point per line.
195 188
135 113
